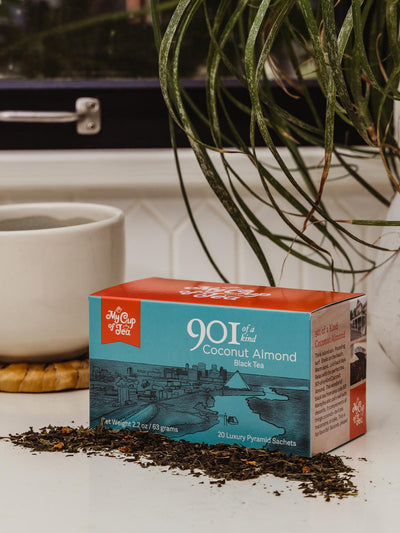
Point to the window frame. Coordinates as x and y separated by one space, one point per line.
133 113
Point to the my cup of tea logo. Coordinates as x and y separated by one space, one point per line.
358 412
221 293
120 321
358 418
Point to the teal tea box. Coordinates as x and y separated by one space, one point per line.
210 362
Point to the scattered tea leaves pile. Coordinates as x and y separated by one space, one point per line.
322 474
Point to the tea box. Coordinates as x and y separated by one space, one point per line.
262 367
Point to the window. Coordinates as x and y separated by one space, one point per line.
55 51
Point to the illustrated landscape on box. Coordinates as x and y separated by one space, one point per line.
196 402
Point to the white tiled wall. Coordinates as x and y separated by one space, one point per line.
160 240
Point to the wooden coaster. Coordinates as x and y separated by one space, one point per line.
44 377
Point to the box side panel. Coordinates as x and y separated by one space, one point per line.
338 336
207 374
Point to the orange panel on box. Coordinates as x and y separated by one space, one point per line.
358 415
226 294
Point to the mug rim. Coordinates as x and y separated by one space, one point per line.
111 214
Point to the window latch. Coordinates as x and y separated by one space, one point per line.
86 116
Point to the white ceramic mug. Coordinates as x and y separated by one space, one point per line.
52 256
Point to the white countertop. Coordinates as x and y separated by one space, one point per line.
50 492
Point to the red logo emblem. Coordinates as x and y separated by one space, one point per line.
358 415
120 321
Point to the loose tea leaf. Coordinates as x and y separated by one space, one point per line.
322 474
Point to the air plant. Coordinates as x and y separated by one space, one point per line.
353 52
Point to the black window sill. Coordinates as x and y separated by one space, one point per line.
133 114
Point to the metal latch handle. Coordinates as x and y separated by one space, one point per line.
86 116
